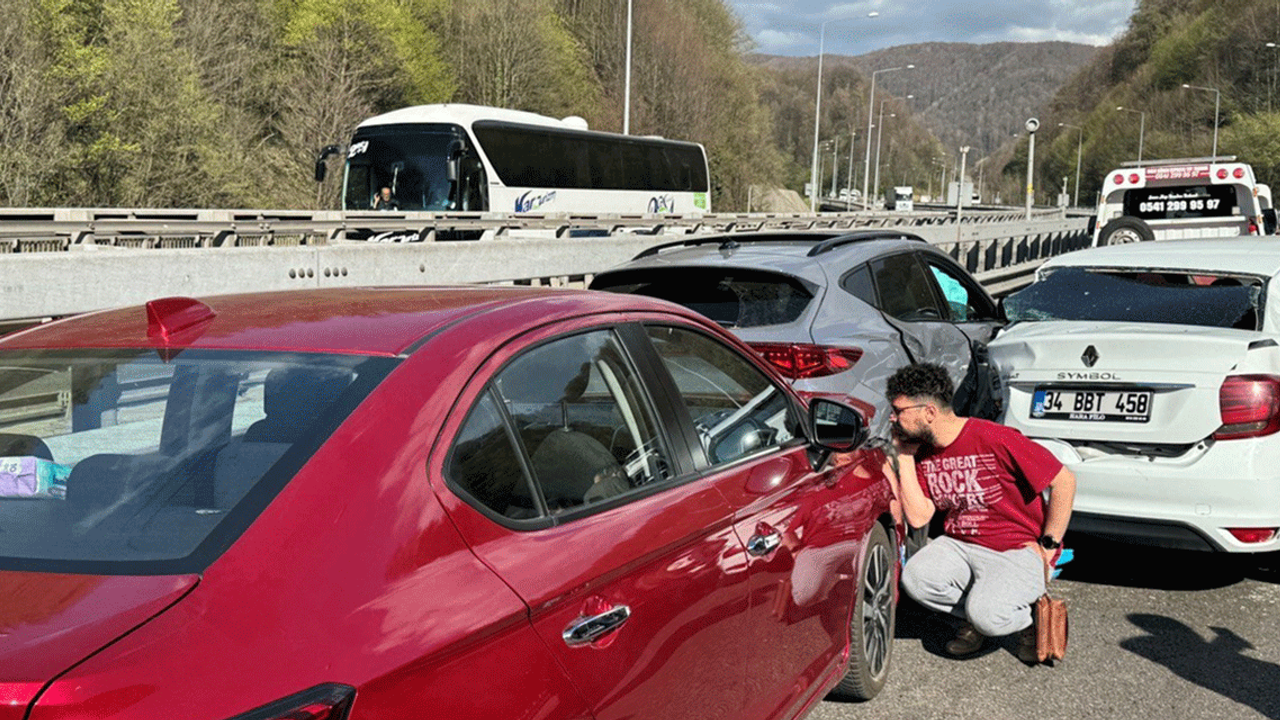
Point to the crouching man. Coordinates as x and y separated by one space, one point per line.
1000 535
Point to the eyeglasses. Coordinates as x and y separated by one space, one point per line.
895 411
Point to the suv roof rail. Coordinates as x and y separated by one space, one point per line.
833 243
822 241
1179 161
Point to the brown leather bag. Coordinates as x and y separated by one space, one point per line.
1051 625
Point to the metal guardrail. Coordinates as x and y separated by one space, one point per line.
65 229
65 261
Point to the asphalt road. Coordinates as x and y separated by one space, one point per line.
1155 635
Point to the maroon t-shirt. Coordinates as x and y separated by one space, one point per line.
989 483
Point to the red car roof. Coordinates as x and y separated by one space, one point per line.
371 321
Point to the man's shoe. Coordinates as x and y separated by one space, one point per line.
966 642
1027 646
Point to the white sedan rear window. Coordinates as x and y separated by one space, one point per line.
1137 295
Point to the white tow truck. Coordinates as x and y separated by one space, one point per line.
1182 198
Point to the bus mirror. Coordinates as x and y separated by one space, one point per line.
321 168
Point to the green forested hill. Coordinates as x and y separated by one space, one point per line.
1217 44
190 103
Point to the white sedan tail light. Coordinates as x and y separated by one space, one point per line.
1250 406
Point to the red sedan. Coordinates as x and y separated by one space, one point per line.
429 502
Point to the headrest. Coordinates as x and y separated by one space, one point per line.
12 445
302 391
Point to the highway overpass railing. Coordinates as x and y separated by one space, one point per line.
56 262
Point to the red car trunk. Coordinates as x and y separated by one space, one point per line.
50 622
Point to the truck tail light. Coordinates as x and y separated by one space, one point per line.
798 360
1250 406
322 702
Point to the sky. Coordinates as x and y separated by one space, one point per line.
791 27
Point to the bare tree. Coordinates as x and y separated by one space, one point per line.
535 64
30 121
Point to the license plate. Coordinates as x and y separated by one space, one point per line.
1092 405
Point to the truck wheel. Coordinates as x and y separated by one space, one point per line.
1124 230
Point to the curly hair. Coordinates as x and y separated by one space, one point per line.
922 380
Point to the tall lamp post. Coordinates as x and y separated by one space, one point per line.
964 156
848 178
817 115
981 174
835 163
626 102
1217 104
1271 87
1075 200
879 135
1142 128
871 106
1032 125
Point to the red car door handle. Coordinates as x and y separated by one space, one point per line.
586 630
761 545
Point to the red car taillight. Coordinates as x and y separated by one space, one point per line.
797 360
1252 535
322 702
1250 406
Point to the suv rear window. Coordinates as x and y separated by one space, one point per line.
124 461
734 298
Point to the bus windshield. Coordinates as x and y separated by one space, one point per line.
409 161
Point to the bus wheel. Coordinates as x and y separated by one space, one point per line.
1125 230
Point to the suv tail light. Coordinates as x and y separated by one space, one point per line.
322 702
1250 406
797 360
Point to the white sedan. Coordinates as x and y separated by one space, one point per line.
1152 370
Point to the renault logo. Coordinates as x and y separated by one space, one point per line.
1090 356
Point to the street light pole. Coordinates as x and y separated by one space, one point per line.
835 167
1142 128
1075 200
871 106
964 156
626 102
879 135
1217 105
848 178
982 169
817 116
1271 87
1032 125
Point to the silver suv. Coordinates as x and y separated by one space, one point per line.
837 313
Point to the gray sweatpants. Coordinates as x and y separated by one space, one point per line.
993 590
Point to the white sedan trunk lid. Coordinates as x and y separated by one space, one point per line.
1120 382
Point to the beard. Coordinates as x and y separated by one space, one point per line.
923 436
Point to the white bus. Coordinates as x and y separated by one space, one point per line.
467 158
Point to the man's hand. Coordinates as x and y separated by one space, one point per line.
902 445
1047 556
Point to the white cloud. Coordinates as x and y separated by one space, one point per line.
793 29
772 42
